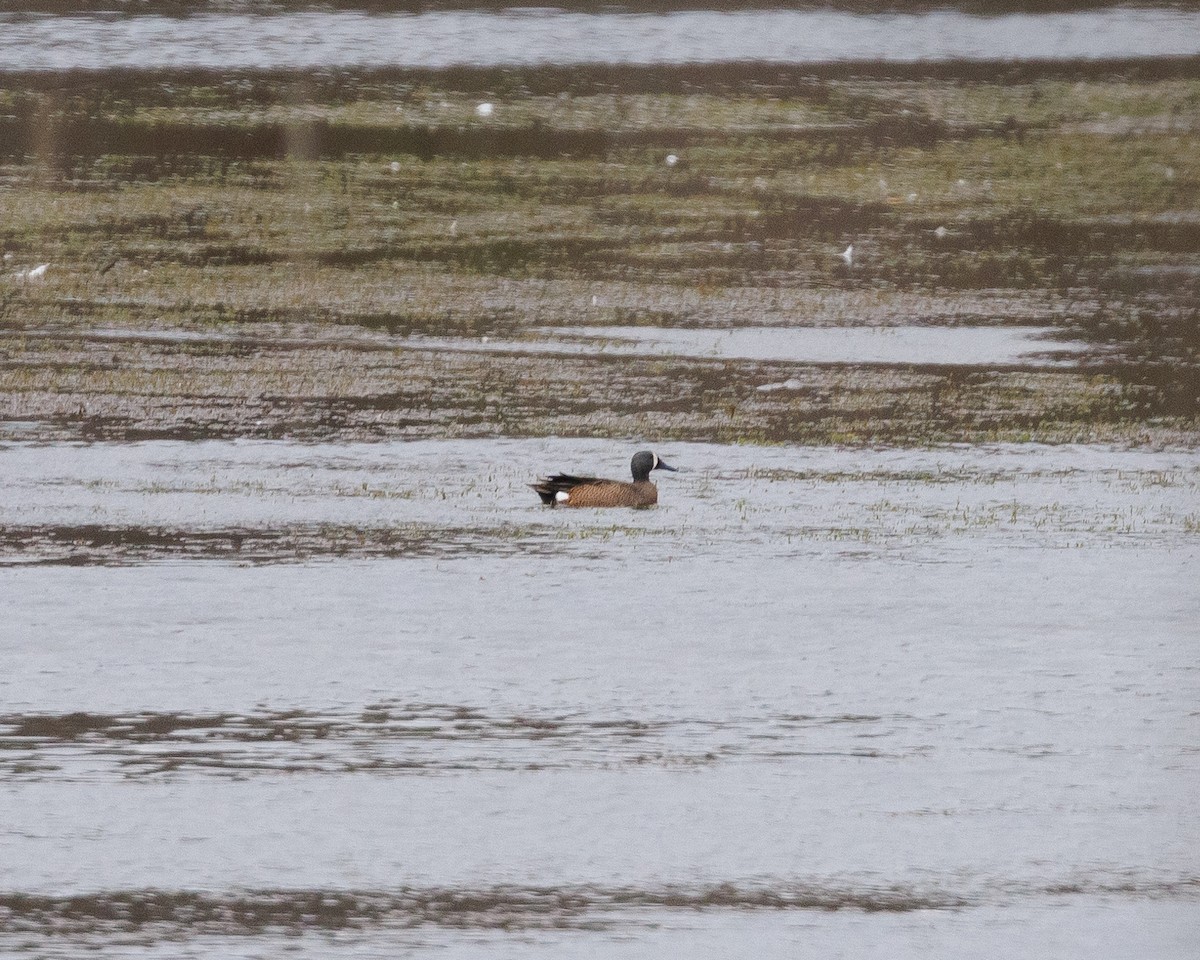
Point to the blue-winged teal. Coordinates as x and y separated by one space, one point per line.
564 490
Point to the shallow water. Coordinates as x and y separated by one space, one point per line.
540 35
965 346
1028 347
822 698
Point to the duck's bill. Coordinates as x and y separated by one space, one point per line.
663 465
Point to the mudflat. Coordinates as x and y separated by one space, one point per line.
277 255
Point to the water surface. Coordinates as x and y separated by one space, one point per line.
539 36
960 346
820 695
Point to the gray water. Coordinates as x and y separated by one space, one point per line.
901 703
1029 347
540 35
962 346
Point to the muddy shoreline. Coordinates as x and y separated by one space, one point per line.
316 224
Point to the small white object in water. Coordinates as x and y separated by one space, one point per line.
484 110
790 384
940 233
36 273
454 228
848 255
671 160
595 300
395 167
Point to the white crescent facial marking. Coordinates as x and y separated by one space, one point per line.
655 467
562 496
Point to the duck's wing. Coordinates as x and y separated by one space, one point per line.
548 487
565 480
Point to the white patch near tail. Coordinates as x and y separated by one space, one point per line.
562 496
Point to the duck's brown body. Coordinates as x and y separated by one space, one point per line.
566 490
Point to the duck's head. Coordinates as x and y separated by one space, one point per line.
643 462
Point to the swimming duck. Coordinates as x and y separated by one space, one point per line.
565 490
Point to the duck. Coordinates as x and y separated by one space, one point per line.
567 490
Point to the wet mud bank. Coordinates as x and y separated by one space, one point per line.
294 233
96 544
83 393
171 914
406 740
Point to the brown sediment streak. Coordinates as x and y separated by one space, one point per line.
174 912
400 739
169 914
110 545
